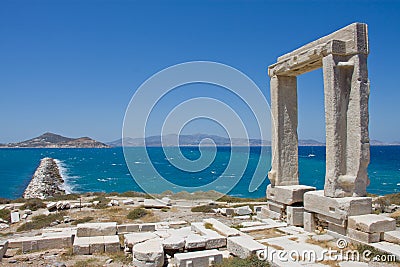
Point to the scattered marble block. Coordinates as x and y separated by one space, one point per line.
276 207
329 219
266 212
309 221
322 238
128 201
174 243
243 246
372 223
15 217
3 249
245 210
339 229
230 211
96 229
288 194
96 244
134 238
154 203
222 228
363 236
213 239
338 208
295 215
195 241
392 237
198 259
149 252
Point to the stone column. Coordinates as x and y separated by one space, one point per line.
284 132
346 90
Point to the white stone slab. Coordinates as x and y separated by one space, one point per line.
363 236
199 258
149 251
195 241
134 238
339 208
372 223
392 237
288 194
174 243
295 215
243 247
222 228
96 229
244 210
15 217
154 203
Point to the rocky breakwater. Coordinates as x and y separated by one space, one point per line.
46 181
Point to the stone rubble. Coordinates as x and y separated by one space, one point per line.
46 181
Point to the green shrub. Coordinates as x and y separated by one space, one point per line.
251 261
137 213
5 214
41 221
64 197
33 204
83 220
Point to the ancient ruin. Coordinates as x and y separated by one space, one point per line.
343 57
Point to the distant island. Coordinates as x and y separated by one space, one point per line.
195 139
51 140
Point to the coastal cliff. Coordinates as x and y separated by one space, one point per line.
46 181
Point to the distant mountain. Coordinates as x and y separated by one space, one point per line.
50 140
184 140
310 142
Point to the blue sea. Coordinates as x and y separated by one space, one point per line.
105 170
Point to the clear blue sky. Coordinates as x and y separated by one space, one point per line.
71 67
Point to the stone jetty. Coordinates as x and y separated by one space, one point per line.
46 181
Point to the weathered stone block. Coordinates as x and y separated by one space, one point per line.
134 238
174 243
363 236
243 246
391 236
96 229
111 244
265 212
309 221
338 208
276 207
288 194
295 215
195 241
213 239
96 244
3 249
149 251
127 228
245 210
372 223
198 258
81 246
222 228
337 228
15 217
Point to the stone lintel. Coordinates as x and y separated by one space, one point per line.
338 208
288 194
350 40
